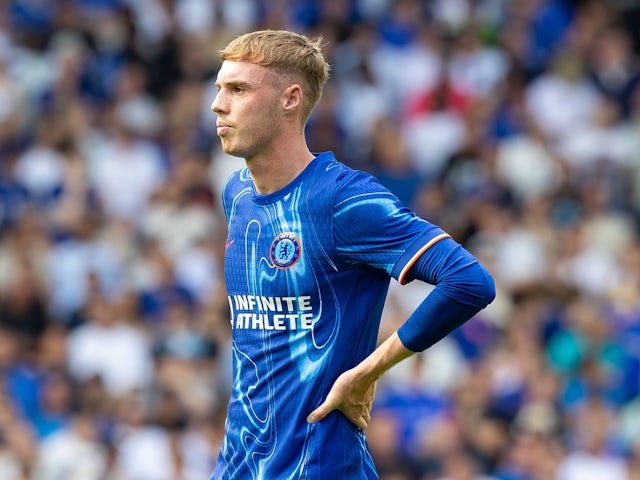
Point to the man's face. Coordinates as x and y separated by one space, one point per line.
248 108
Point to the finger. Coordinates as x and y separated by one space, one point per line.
361 422
320 412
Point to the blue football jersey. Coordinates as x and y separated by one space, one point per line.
307 270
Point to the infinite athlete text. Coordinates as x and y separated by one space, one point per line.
271 313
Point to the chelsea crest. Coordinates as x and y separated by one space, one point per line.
285 250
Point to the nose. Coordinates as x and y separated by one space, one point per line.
216 104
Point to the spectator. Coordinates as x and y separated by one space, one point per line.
108 346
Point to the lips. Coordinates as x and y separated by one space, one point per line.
222 127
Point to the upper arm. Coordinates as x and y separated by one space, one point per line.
372 227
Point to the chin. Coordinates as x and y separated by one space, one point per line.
231 151
227 147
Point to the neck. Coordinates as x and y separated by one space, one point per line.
273 171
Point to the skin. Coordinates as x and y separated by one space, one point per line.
353 392
260 119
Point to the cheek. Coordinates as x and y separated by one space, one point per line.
264 119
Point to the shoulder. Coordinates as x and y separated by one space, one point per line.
237 182
355 187
345 183
239 177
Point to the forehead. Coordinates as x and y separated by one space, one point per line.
242 72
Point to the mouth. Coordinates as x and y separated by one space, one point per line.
222 127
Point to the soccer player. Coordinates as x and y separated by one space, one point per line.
311 247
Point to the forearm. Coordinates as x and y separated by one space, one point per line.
463 288
435 318
385 356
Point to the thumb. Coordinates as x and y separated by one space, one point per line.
322 411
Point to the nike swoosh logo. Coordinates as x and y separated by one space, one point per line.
228 244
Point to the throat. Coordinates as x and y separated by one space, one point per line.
271 176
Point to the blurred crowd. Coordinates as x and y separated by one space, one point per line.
513 124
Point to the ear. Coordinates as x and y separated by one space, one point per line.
292 98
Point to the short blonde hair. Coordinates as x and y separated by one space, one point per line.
290 54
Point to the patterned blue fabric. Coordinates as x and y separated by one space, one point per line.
307 271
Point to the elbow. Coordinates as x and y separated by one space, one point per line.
474 286
487 289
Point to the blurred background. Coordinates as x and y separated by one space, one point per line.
514 124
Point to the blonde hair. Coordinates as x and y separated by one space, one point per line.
290 54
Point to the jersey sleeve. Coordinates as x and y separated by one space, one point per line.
372 227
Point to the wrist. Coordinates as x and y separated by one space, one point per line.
389 353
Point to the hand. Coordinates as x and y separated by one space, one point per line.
353 395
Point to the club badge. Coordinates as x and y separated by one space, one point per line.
285 250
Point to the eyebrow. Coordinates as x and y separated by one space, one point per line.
232 83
